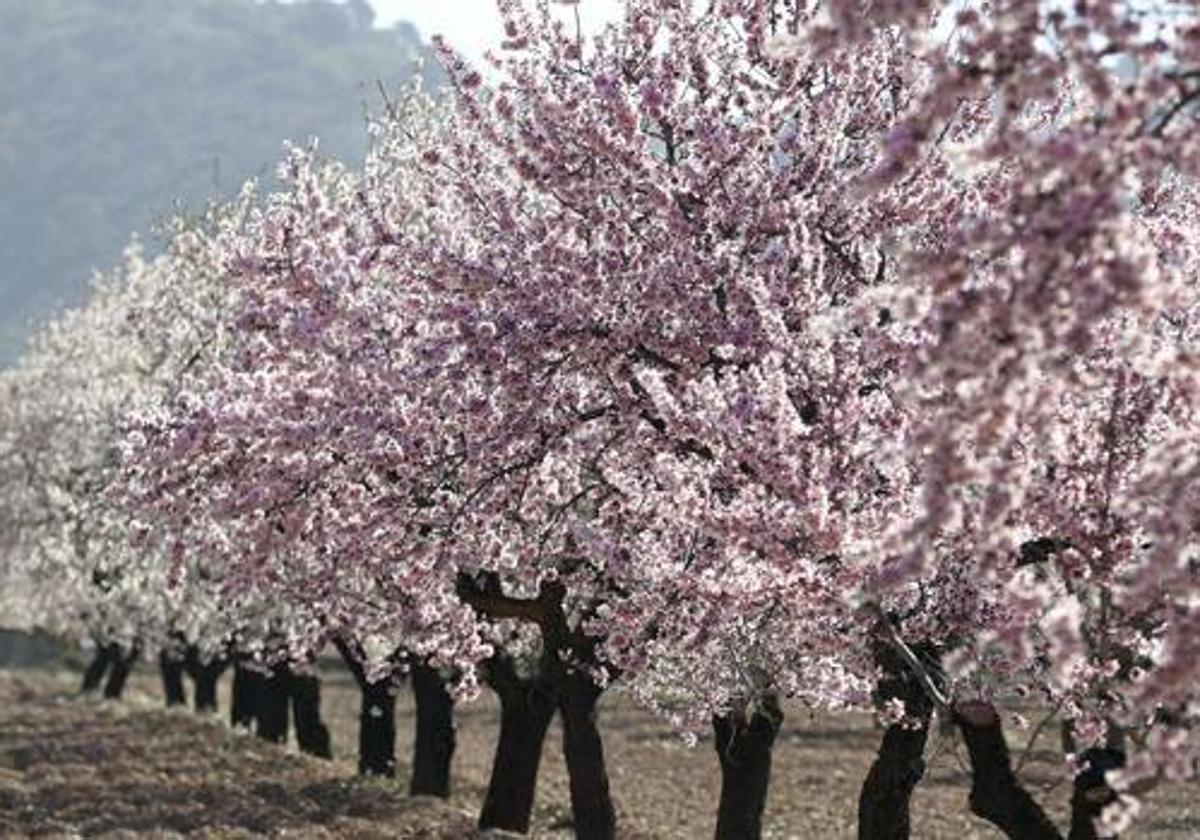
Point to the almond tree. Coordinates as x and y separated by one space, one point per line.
708 343
73 396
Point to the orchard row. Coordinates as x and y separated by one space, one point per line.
749 350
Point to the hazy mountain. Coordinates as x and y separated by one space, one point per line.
113 110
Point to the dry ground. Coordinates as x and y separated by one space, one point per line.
72 767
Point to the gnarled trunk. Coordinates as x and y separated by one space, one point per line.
247 683
204 675
94 675
435 740
312 735
526 708
171 667
271 710
998 797
376 718
377 729
996 793
743 747
122 664
884 802
592 808
591 803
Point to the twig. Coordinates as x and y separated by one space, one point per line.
913 662
1037 731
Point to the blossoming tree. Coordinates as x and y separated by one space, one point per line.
704 345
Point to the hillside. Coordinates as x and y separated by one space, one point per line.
113 110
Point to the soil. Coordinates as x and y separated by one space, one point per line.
80 767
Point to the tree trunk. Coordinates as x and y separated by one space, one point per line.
884 802
204 676
376 718
377 729
311 734
744 749
247 684
1091 791
576 693
591 803
271 710
435 733
122 664
171 667
526 708
996 794
94 675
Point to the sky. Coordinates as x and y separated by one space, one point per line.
472 26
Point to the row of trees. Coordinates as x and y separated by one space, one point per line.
749 350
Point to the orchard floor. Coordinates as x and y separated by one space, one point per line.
72 767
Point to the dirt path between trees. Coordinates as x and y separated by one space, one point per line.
72 767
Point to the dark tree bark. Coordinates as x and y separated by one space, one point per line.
591 803
205 696
122 664
996 794
311 734
171 666
247 683
744 749
205 676
271 710
1091 792
526 707
435 740
377 729
376 719
884 802
94 675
